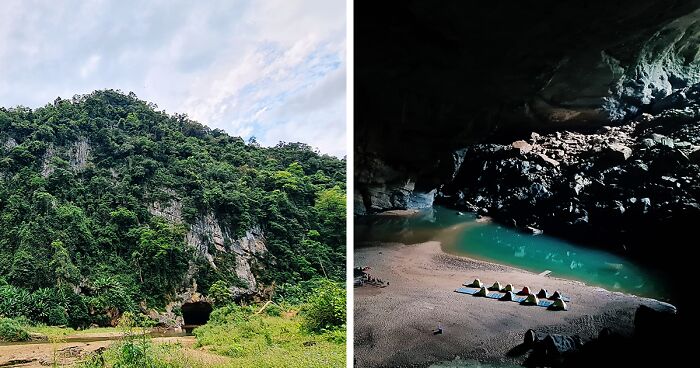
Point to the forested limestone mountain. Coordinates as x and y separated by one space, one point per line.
108 205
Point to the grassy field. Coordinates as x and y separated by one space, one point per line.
310 333
234 337
63 332
271 341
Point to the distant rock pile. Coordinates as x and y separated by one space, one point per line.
605 184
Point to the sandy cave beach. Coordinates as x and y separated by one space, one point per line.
394 325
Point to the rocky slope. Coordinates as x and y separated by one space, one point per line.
616 185
432 80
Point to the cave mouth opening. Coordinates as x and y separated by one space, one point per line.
195 314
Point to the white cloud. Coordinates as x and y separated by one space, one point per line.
90 66
273 69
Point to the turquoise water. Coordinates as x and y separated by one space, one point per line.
463 235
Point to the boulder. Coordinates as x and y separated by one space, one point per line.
546 159
648 142
522 146
694 155
618 152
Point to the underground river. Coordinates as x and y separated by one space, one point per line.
462 234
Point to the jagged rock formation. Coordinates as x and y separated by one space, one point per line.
79 154
617 185
431 80
211 241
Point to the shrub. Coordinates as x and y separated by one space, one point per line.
273 310
220 292
76 308
297 293
12 331
56 316
42 301
325 310
229 314
14 301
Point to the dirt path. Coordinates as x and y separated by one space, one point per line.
393 325
69 353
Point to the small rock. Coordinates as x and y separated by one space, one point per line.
618 207
648 142
579 183
645 118
669 179
533 230
662 140
646 204
538 190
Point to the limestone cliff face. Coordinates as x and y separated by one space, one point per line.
208 237
434 79
210 240
79 154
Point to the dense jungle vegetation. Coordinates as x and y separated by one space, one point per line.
79 244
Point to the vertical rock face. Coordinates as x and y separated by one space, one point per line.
210 240
46 167
207 236
79 154
171 211
247 247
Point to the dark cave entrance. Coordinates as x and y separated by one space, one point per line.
195 314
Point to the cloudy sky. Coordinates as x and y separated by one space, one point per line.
265 68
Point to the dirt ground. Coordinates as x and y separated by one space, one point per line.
69 353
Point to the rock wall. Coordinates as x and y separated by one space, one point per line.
207 236
46 167
79 154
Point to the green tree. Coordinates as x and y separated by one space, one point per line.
220 292
66 274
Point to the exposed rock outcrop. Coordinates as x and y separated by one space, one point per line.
79 154
9 143
46 167
211 240
171 210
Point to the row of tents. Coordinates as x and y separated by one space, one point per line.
554 301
